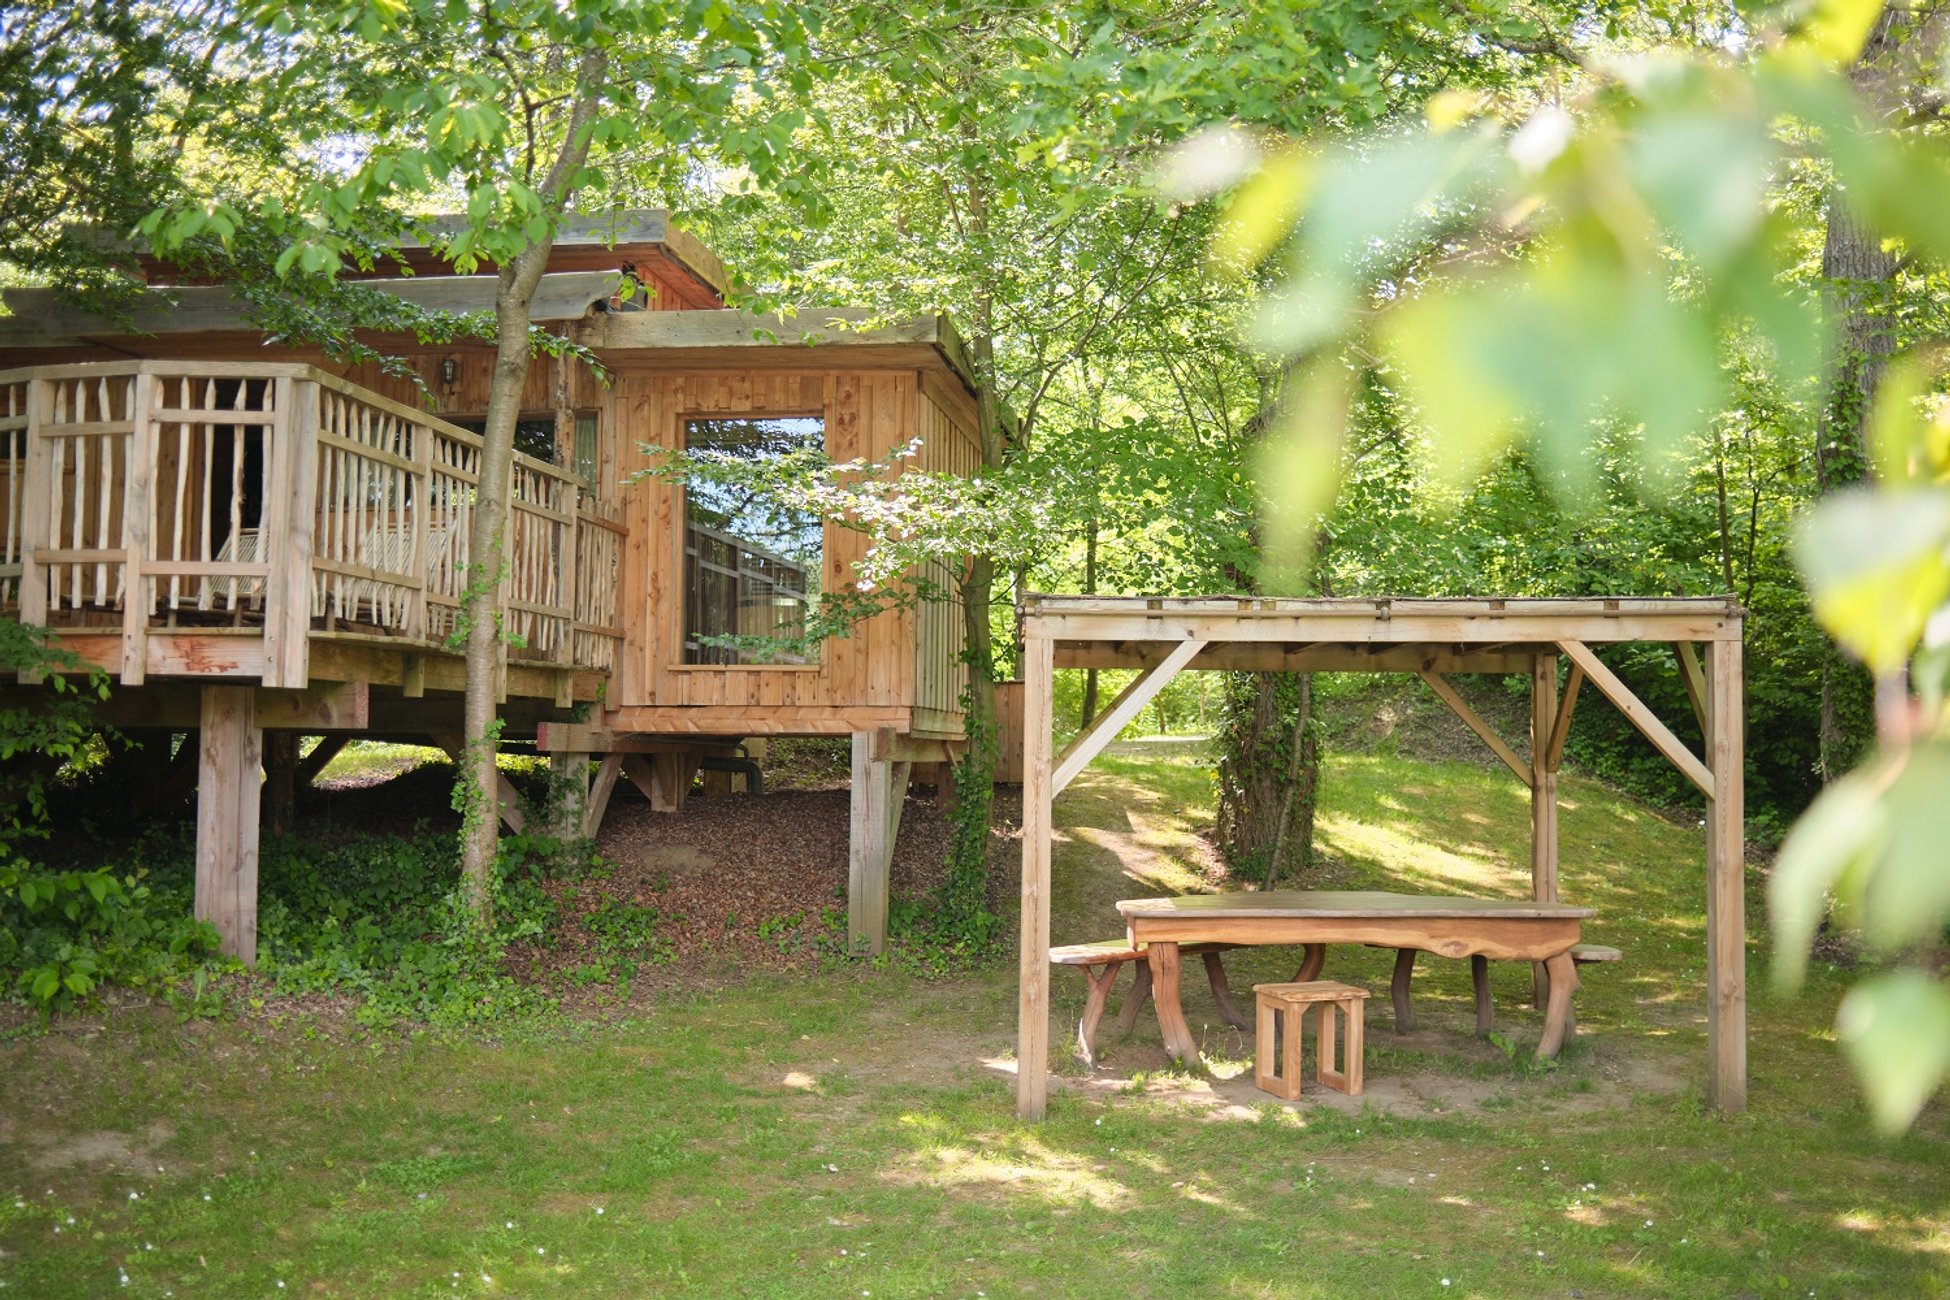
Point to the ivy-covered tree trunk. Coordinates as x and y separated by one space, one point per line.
1268 746
1268 774
1858 274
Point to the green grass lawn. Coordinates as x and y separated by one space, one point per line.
854 1134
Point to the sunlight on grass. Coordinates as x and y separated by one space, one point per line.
1415 859
1030 1168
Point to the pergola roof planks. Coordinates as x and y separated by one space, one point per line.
1431 638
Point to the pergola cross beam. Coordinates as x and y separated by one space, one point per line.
1448 694
1640 715
1130 701
1561 729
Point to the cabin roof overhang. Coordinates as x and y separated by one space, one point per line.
644 241
583 304
848 337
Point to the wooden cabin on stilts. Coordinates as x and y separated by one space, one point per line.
255 543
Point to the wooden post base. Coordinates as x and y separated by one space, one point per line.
227 802
879 791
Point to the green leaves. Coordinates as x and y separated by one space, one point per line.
1895 1030
1878 567
1872 847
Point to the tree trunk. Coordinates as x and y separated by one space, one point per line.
480 602
1268 775
1269 751
1089 589
1859 276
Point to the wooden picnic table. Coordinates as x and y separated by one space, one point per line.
1450 926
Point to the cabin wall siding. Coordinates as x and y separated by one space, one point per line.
867 415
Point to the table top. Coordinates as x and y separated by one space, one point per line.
1347 904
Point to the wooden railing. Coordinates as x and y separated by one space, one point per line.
165 497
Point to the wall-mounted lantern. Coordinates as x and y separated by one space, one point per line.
449 371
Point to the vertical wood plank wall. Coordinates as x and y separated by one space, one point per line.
946 427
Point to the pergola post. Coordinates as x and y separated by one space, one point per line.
1032 1010
1543 799
1726 867
227 797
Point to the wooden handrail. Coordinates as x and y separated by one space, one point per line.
346 484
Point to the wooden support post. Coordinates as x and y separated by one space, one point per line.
138 508
1640 716
1726 870
226 819
600 789
1693 677
322 754
280 781
879 793
663 778
1543 798
569 795
1032 1002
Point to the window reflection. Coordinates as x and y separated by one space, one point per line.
751 569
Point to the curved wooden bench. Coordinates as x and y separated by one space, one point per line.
1100 962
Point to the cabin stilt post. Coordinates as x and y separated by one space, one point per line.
1032 1009
1543 800
1726 871
280 781
227 799
569 791
601 786
879 792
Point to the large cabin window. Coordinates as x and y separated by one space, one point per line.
751 569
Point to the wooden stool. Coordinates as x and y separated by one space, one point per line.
1282 1007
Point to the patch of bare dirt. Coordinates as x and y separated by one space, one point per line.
132 1153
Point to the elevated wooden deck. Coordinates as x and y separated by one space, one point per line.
268 524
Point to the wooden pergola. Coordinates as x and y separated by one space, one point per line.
1433 639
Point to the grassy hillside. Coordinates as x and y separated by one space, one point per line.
852 1133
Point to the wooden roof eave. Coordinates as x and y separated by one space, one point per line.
822 337
46 318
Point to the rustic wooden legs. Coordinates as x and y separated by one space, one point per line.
1563 973
1163 958
879 791
1134 1000
1398 989
1479 976
1215 972
227 802
1100 978
1313 957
